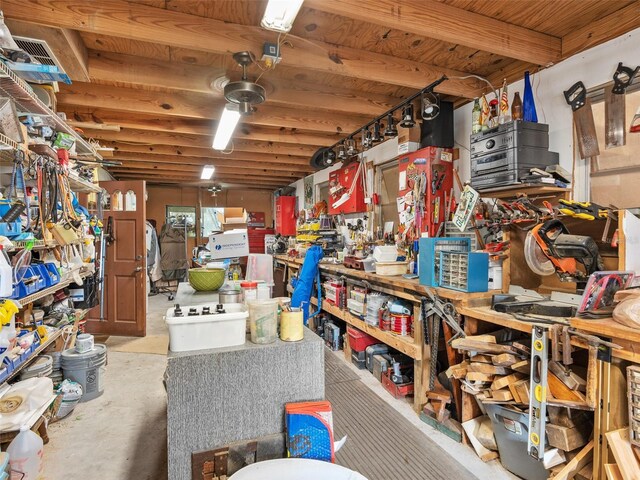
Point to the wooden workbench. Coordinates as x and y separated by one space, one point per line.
610 412
414 347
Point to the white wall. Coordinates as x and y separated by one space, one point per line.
594 67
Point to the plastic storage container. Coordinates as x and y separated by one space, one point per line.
249 291
263 320
291 326
214 330
372 350
359 341
25 455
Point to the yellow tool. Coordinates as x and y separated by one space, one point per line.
8 308
584 210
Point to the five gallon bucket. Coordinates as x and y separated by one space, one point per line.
87 369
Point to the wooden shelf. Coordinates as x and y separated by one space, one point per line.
395 285
27 102
47 291
530 190
50 339
405 345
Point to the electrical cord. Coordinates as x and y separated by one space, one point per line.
495 90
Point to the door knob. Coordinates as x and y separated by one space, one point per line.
138 269
138 257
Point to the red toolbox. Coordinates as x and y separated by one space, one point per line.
437 165
397 390
340 183
359 340
256 238
286 215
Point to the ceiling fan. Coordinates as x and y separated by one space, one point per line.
214 190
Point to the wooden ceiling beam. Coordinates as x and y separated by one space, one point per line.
198 156
134 70
203 106
226 184
186 143
141 121
437 20
192 162
139 22
195 178
196 172
607 28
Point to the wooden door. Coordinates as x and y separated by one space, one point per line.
125 292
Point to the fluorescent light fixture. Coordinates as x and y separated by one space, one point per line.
280 14
207 172
227 124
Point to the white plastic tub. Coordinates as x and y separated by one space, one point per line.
200 332
295 469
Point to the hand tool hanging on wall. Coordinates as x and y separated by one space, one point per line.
538 392
576 97
614 106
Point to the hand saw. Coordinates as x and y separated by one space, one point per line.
576 97
614 106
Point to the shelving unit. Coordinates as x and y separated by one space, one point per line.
47 291
28 103
50 339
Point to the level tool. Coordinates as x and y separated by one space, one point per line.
538 392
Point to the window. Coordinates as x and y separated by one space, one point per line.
211 219
182 216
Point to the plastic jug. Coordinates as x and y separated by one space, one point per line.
8 310
6 275
25 455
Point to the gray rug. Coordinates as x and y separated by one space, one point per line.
381 444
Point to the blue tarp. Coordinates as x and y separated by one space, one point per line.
303 289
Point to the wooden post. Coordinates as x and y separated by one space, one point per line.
420 366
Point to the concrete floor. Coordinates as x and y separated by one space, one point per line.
122 434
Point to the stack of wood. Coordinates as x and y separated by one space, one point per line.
627 456
500 374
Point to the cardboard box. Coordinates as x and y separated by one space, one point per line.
408 139
229 244
235 215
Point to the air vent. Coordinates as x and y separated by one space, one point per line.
39 51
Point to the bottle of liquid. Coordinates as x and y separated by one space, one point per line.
516 107
529 113
25 455
6 275
475 117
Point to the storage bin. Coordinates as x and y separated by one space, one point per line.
263 320
207 331
390 269
358 359
380 366
359 341
511 431
372 350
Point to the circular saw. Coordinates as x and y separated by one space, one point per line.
550 248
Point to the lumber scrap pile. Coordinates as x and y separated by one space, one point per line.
499 373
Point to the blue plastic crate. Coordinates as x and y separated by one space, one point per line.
464 271
429 256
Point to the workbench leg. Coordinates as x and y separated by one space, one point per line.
420 366
613 411
454 358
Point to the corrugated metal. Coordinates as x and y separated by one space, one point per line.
382 444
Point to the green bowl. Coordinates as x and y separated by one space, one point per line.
206 279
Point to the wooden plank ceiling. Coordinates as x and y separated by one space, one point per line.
150 67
